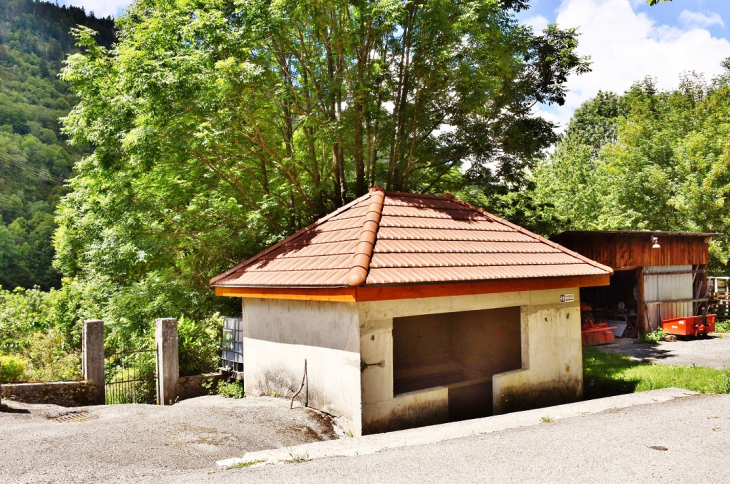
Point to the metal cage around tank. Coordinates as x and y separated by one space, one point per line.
232 354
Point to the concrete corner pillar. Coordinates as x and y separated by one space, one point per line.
168 364
93 358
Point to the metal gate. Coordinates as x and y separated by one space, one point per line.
130 376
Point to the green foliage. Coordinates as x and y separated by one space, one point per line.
607 374
230 389
722 327
653 338
646 160
199 344
50 360
219 128
296 458
243 465
34 40
12 368
42 360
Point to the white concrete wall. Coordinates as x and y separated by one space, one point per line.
552 361
280 334
336 338
551 349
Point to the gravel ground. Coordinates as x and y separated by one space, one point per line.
683 440
135 443
713 351
680 441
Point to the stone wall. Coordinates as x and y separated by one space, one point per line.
64 393
192 386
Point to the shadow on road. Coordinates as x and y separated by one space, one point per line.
5 409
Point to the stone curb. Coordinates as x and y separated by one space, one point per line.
370 444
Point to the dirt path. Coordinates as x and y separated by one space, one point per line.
124 443
713 351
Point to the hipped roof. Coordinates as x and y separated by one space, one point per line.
394 238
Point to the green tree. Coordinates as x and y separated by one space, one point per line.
646 160
220 127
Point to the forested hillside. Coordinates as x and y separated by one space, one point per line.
34 159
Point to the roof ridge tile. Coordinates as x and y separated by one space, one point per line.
366 242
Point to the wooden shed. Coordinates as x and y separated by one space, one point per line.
412 310
657 275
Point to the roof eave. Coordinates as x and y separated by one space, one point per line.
385 292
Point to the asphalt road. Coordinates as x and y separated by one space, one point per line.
623 446
713 351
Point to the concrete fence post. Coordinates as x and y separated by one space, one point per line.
168 364
93 359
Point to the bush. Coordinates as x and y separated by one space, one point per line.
722 327
654 337
231 389
199 344
12 369
50 359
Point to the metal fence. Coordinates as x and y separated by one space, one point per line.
197 360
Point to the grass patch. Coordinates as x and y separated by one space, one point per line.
243 465
298 458
546 419
607 374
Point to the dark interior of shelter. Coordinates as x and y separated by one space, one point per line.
460 351
616 302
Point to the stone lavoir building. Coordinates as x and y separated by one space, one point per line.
413 310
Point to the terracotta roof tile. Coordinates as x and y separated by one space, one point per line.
418 239
463 247
449 235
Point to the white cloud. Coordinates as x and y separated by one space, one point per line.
538 23
626 46
699 19
101 8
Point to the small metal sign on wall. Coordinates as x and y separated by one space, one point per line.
566 298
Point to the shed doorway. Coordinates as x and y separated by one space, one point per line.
460 351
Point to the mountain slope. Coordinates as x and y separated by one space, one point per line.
34 160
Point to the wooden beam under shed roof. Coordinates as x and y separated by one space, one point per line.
414 291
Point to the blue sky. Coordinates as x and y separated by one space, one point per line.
629 40
626 39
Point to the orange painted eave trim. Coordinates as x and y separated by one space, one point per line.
344 294
388 293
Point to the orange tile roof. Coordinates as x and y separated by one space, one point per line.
387 238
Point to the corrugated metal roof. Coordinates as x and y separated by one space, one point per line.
419 239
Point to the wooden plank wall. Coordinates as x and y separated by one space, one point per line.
632 250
